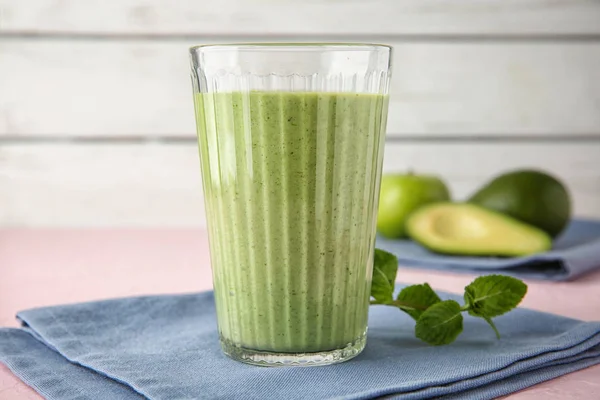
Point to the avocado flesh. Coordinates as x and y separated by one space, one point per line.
467 229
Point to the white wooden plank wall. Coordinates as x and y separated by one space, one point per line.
105 87
96 121
311 17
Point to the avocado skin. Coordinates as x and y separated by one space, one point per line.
531 196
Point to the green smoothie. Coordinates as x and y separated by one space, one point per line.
291 182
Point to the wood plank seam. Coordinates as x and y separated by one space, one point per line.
391 137
417 37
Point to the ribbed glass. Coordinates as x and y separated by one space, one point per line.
291 139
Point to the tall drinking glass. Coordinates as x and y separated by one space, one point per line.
291 145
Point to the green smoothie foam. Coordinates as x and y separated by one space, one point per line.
290 182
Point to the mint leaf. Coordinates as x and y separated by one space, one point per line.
493 295
415 299
385 268
440 324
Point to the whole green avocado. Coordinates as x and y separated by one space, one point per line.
532 196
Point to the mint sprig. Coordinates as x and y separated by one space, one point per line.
440 322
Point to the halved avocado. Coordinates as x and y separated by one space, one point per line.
468 229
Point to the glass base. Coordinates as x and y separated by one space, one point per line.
270 359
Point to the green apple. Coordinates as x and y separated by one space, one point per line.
400 195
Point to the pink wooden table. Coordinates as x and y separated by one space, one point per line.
44 267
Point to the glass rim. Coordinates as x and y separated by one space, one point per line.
298 46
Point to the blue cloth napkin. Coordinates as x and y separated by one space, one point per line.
166 347
575 253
